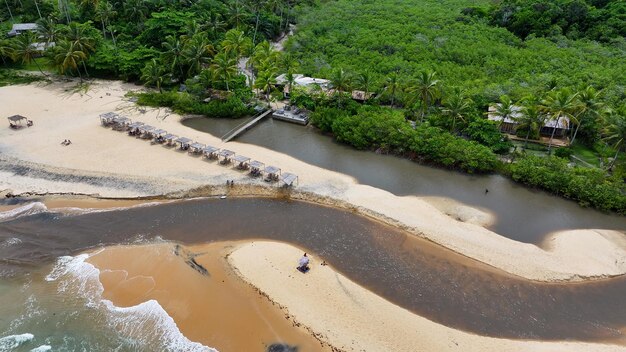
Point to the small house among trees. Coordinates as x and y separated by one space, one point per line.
20 28
509 124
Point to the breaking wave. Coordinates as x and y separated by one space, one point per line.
147 324
25 210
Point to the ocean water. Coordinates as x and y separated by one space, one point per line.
60 307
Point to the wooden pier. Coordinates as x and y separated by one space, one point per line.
246 126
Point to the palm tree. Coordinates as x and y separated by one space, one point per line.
558 104
531 119
365 81
266 79
135 10
153 73
614 131
25 51
505 109
224 68
197 52
10 13
276 6
456 105
235 42
256 6
104 13
589 108
264 52
288 62
47 29
214 23
67 57
392 86
341 81
174 56
290 79
77 34
6 50
64 8
206 78
426 87
236 13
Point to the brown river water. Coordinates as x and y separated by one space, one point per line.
424 278
521 214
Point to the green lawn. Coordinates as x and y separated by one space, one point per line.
586 154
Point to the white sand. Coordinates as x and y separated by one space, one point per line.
109 163
352 318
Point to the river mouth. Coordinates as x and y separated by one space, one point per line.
521 214
413 273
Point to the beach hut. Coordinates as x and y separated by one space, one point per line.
196 148
133 128
226 155
256 168
272 173
145 131
210 152
184 142
158 135
288 179
242 162
121 123
16 121
106 119
170 139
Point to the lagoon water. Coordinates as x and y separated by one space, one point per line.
521 214
56 299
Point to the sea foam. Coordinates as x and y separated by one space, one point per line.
147 323
10 342
25 210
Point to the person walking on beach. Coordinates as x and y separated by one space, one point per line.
303 263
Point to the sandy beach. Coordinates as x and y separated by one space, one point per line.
366 322
104 163
197 288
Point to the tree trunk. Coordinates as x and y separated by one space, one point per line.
552 135
526 140
575 132
256 28
10 13
614 160
39 67
85 67
37 6
79 75
104 32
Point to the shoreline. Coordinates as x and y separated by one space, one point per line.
86 201
104 169
110 164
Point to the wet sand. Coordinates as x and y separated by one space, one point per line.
215 308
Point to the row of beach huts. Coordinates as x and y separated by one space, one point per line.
225 157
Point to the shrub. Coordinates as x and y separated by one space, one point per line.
589 187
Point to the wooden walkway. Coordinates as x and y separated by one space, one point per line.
247 125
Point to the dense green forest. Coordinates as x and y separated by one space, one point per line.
602 20
429 70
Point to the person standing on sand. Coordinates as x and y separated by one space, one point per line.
303 263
